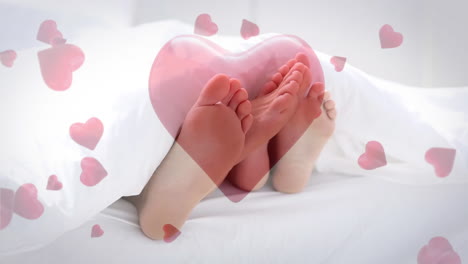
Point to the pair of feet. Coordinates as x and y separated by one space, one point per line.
227 135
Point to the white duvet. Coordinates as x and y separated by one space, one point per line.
384 215
337 219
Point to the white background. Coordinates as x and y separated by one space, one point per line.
433 53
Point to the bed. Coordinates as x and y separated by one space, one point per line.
353 216
337 219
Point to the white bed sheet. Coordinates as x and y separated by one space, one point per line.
337 219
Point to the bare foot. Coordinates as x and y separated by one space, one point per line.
309 108
293 170
249 174
209 145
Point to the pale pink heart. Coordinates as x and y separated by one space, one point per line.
92 171
170 233
249 29
438 251
8 58
49 34
373 157
185 64
389 38
58 64
97 231
26 203
6 206
87 134
442 159
204 26
338 62
53 183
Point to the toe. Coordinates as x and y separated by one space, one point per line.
283 70
302 57
244 109
268 88
326 96
332 114
240 96
294 76
214 91
235 85
298 67
306 82
277 78
247 122
329 105
318 91
291 63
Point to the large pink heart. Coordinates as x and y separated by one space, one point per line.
186 63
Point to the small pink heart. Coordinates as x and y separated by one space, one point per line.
6 206
170 233
87 134
338 62
442 159
92 171
438 251
97 231
54 184
26 203
58 64
8 57
204 26
389 38
49 34
373 157
249 29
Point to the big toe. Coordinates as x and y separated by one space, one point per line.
302 58
216 89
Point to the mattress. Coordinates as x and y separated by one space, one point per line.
337 219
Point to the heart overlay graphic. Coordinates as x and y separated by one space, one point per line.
389 38
49 34
438 250
53 184
205 26
58 64
442 159
8 57
24 202
96 231
186 63
373 157
87 134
